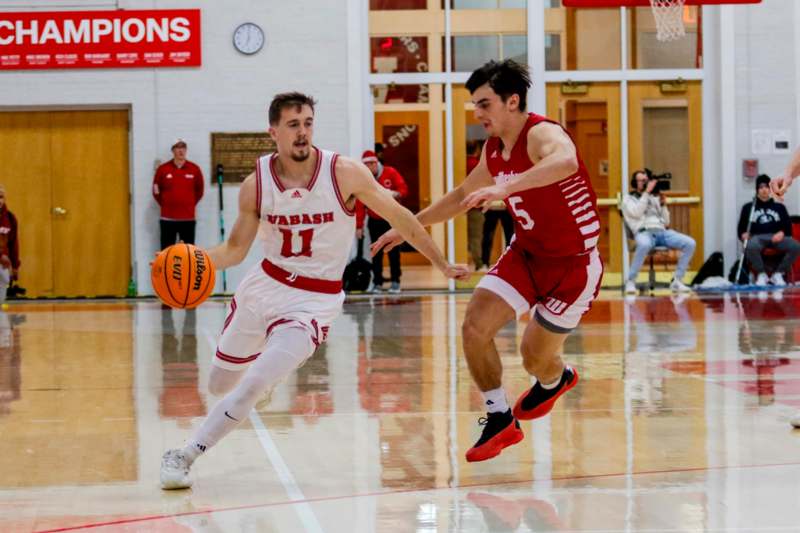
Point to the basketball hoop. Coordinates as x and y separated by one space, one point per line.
669 19
668 13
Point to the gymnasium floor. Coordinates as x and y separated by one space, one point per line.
679 423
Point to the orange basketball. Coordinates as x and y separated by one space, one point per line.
182 276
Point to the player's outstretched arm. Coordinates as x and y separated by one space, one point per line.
234 250
782 183
555 158
448 206
451 204
355 180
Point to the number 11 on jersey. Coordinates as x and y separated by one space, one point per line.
288 248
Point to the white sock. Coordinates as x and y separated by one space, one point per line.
495 400
286 350
192 450
553 385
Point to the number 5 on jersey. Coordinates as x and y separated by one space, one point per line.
292 240
525 219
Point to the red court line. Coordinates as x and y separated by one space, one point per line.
404 491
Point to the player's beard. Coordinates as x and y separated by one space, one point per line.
302 153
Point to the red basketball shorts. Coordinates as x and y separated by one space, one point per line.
557 291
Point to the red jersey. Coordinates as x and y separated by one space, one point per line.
177 190
9 239
391 179
554 221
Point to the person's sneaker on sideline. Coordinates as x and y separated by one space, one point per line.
777 280
679 286
537 401
500 430
762 280
630 287
395 288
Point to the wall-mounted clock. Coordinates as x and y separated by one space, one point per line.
248 38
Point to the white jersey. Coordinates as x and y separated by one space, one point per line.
309 231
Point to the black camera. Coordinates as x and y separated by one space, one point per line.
663 181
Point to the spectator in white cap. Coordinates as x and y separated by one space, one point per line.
177 187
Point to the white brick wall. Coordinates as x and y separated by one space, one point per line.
766 86
306 50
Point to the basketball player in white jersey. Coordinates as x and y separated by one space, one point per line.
779 187
300 201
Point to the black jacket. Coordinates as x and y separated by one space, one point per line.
769 217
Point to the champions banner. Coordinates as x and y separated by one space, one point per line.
100 39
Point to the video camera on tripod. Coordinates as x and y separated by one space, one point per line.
663 181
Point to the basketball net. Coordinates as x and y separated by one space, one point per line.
669 19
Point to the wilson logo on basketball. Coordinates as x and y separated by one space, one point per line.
199 272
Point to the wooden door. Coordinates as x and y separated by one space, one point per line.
588 123
582 115
67 183
405 137
25 155
675 148
91 240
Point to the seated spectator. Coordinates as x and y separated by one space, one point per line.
770 227
9 246
647 216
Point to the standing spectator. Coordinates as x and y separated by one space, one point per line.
771 228
391 179
9 246
474 216
177 187
497 212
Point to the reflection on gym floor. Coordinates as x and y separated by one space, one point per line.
679 422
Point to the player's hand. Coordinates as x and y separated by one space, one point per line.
459 272
484 196
778 237
359 234
387 241
745 236
780 185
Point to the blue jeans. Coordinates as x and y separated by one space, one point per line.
649 239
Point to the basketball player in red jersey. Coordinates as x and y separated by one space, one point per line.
551 269
300 201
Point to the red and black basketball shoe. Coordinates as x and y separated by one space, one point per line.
500 430
537 401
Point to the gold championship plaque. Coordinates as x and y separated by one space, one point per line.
237 153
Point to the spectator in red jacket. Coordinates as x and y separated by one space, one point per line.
177 187
391 179
9 246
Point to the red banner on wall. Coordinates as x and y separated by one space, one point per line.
100 39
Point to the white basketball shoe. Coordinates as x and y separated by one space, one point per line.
777 280
175 470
